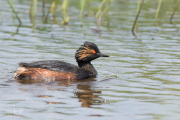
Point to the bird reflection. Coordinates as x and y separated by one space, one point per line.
87 96
85 92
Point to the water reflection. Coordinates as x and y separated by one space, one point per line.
31 81
146 71
87 95
84 90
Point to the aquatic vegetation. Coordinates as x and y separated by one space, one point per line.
174 10
13 10
139 9
59 9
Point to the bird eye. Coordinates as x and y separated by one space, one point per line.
93 51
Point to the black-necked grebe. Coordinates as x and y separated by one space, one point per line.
55 70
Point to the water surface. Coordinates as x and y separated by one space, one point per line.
139 81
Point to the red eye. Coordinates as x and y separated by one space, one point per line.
93 51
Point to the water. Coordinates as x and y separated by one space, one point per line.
139 81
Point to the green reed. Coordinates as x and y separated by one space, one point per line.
137 17
82 4
65 17
174 10
60 7
139 7
13 10
158 9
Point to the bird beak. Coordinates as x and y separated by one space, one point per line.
102 55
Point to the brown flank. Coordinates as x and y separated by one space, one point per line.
42 74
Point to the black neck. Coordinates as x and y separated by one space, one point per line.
88 67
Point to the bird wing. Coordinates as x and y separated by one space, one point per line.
54 65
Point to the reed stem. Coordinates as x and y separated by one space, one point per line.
137 18
82 4
175 9
20 23
158 9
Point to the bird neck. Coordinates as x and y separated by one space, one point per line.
87 66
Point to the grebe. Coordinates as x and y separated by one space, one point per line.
55 70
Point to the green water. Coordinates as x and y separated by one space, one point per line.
141 79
